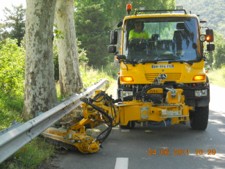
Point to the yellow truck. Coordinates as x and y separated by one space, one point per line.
161 81
162 78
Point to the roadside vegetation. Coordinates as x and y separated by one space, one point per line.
38 150
11 102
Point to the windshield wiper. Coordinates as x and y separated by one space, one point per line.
133 62
171 60
182 61
164 59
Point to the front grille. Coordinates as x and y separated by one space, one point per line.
170 76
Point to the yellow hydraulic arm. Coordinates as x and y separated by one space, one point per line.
99 116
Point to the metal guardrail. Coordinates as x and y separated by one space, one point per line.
15 138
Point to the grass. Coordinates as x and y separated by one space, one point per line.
90 76
217 77
10 110
30 156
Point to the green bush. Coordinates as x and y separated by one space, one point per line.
12 61
11 82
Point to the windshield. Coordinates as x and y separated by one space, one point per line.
162 39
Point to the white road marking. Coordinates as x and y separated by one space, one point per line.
125 130
121 163
148 131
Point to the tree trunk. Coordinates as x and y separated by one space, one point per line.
69 74
40 93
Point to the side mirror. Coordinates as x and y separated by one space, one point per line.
210 47
121 57
113 37
120 24
112 49
209 37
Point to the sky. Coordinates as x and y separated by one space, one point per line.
8 4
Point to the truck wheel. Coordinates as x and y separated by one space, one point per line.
199 118
130 125
118 89
118 94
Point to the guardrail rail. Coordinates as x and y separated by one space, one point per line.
14 138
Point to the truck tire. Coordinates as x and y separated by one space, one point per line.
130 125
199 118
118 89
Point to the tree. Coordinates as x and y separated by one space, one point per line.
92 31
209 61
212 12
117 11
218 58
69 75
14 26
40 94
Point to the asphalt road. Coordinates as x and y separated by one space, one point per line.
159 148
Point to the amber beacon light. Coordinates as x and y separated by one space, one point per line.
129 8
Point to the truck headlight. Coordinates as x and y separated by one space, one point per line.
200 93
199 77
126 79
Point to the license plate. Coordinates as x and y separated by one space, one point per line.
155 90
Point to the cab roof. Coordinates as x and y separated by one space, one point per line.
159 14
